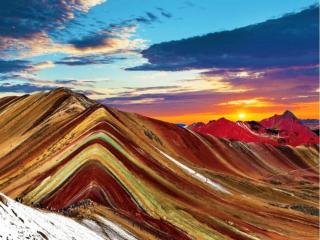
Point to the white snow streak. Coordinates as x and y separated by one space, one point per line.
195 174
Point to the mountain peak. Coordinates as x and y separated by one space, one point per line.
289 114
78 97
67 91
223 119
63 89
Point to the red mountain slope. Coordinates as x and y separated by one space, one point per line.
231 130
285 129
290 129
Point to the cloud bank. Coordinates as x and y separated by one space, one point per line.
287 41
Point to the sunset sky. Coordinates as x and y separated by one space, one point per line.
181 61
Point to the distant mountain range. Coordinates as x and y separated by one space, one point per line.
124 176
284 129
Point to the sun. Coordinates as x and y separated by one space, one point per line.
242 115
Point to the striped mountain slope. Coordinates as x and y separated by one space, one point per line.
148 179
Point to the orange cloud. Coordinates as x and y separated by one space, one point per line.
252 102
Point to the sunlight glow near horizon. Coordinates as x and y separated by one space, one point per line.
242 116
94 48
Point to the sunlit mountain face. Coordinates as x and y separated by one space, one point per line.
120 175
145 119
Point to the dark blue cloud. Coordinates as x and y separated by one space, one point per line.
103 37
88 60
154 88
142 19
69 81
113 30
287 41
8 66
164 12
24 18
151 16
148 18
23 88
92 41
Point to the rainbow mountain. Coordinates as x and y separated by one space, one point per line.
121 175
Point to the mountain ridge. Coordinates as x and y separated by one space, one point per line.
151 178
282 129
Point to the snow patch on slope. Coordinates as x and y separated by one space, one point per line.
108 229
22 222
